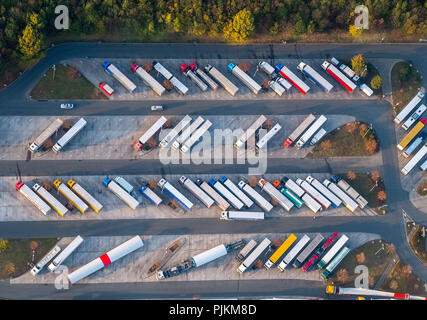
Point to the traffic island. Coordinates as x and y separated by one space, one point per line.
416 235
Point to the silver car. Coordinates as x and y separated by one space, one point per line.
67 106
156 108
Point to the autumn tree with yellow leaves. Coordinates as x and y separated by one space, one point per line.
30 43
240 27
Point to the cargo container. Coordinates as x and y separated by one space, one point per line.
175 131
413 146
308 250
315 76
289 75
292 196
368 91
243 76
236 191
415 159
106 88
299 130
325 203
119 76
60 258
50 199
260 200
276 87
335 262
187 132
246 250
46 134
150 132
275 194
148 79
189 73
349 203
409 107
339 76
220 201
280 251
250 260
423 167
411 135
335 201
290 184
150 195
124 184
235 202
242 215
86 196
223 81
311 131
179 86
270 134
250 131
63 141
347 70
318 136
194 138
45 260
319 252
293 253
333 251
122 194
33 197
204 76
277 83
174 193
411 120
284 83
196 191
71 196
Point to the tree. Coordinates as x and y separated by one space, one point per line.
152 184
355 32
253 181
46 184
362 129
167 84
376 82
4 244
299 26
350 127
147 66
240 27
245 66
359 66
375 175
390 248
360 257
326 145
394 285
381 195
48 144
34 245
342 275
276 243
9 268
66 125
268 124
371 146
151 143
29 42
258 264
351 175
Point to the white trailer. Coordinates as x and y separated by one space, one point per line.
71 196
423 167
293 253
181 88
270 134
275 194
46 134
243 76
311 131
349 203
50 199
150 132
209 255
107 258
246 250
122 194
150 195
187 132
308 250
299 130
325 203
368 91
45 260
339 76
124 184
319 135
223 81
333 251
409 107
75 129
353 193
289 75
220 201
33 197
335 201
194 138
196 191
242 215
250 260
86 196
204 76
284 83
277 83
189 73
260 200
250 131
312 204
235 202
290 184
414 145
149 80
411 120
415 159
315 76
276 87
236 191
60 258
118 75
174 193
175 131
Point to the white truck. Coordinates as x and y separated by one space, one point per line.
413 146
415 159
223 81
50 199
315 77
246 250
349 203
150 132
335 201
325 203
119 76
60 258
242 215
339 76
270 134
250 131
318 136
187 132
289 75
121 193
194 138
150 195
181 88
33 197
189 73
409 107
278 84
260 200
46 134
75 129
236 191
293 253
414 117
204 76
174 193
44 261
311 131
175 131
243 76
299 130
196 191
276 194
312 204
219 200
235 202
250 260
148 79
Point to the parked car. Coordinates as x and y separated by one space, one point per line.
156 108
67 106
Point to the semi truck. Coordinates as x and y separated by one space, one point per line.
415 159
319 252
250 260
50 199
63 141
204 76
411 135
189 73
106 88
33 197
45 260
235 202
289 75
260 200
349 203
71 196
275 194
60 258
409 107
339 76
319 135
246 250
335 262
111 256
292 196
175 131
174 193
333 251
150 132
353 193
119 76
229 86
250 132
236 191
277 83
280 251
365 89
276 87
270 134
150 195
219 200
187 132
325 203
411 120
243 76
312 204
46 134
194 138
293 253
299 130
413 146
86 196
242 215
308 250
311 131
148 79
315 77
124 184
335 201
122 194
180 87
196 191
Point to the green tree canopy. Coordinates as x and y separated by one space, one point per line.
241 27
376 82
359 66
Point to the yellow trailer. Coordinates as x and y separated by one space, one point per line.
411 135
280 251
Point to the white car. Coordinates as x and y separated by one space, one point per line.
156 108
67 106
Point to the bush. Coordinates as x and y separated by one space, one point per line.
376 82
